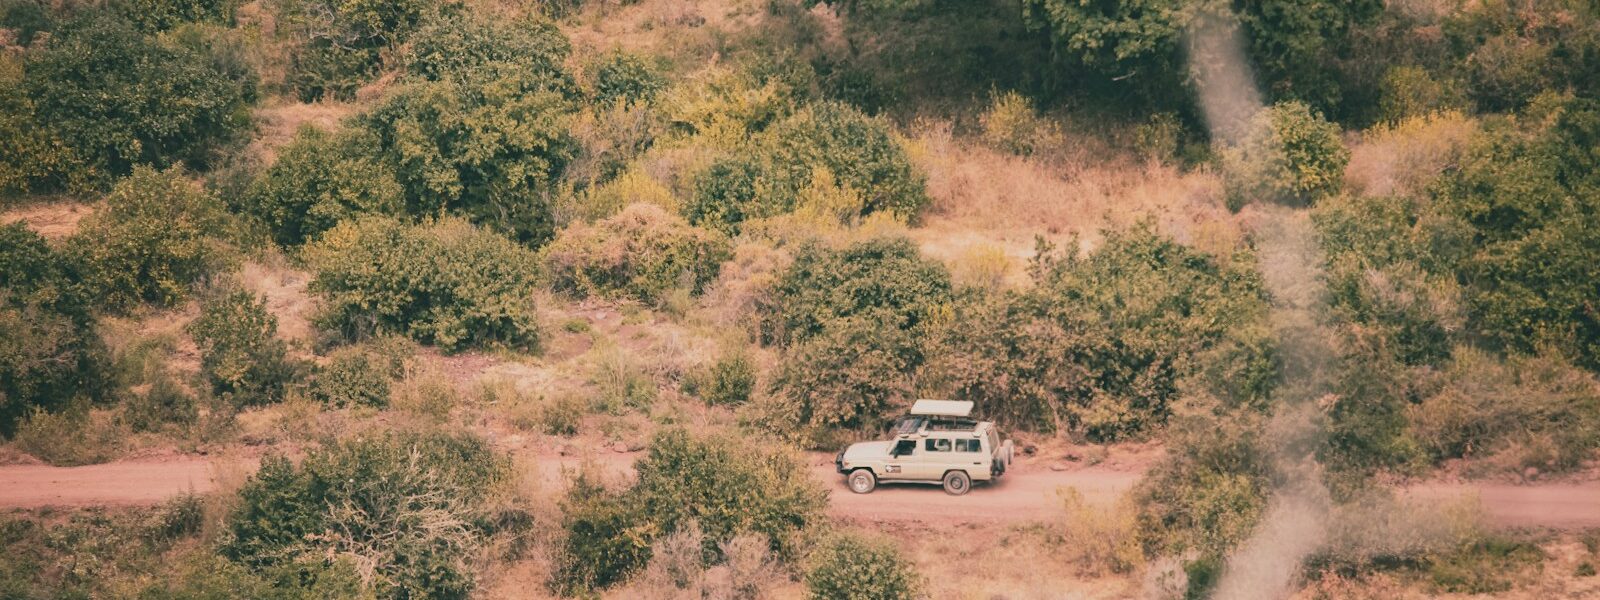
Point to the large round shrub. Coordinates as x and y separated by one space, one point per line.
1288 155
627 78
735 189
240 354
461 47
50 353
860 151
490 151
446 283
725 483
853 376
319 180
411 508
641 253
150 242
118 99
340 44
884 277
852 567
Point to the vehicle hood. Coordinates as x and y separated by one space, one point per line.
868 450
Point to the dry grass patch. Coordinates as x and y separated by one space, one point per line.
277 122
53 220
1402 159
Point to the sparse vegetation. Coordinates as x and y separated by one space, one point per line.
240 353
641 253
858 568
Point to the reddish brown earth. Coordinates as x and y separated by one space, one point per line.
1028 493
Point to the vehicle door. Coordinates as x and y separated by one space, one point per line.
936 457
902 461
971 456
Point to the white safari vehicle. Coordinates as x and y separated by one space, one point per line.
938 442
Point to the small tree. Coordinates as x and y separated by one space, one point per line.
319 180
408 510
882 277
627 78
726 484
852 567
1288 155
118 99
446 283
51 352
151 242
240 353
860 151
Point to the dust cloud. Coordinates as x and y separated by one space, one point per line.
1266 565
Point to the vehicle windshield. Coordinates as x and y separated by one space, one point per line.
908 425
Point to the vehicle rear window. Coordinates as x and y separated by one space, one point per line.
972 445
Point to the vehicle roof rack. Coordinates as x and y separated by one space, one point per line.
950 409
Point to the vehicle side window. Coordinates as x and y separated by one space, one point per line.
905 447
972 445
937 445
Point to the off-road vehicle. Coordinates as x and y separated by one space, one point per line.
938 442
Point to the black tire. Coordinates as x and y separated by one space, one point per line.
957 483
861 481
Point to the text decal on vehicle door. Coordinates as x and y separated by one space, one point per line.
892 469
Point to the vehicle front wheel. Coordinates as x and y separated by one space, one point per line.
862 481
957 483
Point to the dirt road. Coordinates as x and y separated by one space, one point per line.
1028 493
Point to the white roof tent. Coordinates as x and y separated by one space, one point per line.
950 409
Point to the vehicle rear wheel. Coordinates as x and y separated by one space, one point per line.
862 481
957 483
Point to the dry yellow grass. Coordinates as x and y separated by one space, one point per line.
53 220
1402 159
277 121
284 289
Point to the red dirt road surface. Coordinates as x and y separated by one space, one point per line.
1028 493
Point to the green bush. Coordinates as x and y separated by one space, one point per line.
884 276
730 380
853 376
1288 155
411 507
118 99
461 47
25 18
861 153
51 352
162 15
641 253
445 283
1101 343
352 377
734 189
1139 46
34 158
155 237
727 484
620 77
1012 124
1209 492
853 567
240 354
490 151
318 180
340 44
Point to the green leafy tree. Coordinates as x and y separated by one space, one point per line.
460 47
885 278
341 43
410 508
490 152
319 180
852 376
240 353
155 237
860 152
446 283
51 352
725 483
118 99
1288 155
852 567
641 253
162 15
735 189
627 78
